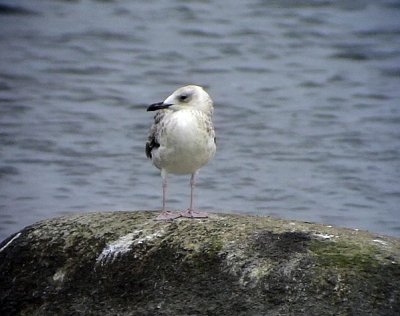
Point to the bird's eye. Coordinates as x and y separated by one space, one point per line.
183 97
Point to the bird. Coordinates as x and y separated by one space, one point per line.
182 140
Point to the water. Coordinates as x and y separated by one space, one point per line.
307 107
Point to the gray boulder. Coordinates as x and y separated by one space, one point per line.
125 263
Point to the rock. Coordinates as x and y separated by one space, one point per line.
125 263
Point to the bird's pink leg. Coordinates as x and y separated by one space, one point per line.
191 213
166 215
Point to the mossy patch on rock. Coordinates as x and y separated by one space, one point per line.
125 263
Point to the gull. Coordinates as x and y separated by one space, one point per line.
182 140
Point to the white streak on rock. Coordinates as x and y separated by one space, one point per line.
382 242
324 236
124 244
59 276
9 243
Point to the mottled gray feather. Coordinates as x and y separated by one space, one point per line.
152 141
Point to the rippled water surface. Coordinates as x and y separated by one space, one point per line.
307 107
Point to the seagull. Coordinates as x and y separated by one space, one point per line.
182 140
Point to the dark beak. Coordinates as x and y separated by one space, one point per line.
158 106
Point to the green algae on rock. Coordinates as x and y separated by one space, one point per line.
125 263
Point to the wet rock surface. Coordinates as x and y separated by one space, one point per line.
125 263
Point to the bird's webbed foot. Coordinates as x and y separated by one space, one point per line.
193 214
167 216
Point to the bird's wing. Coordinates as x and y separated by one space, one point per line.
152 140
210 129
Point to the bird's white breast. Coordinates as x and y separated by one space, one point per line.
186 141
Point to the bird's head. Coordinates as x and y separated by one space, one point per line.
187 97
